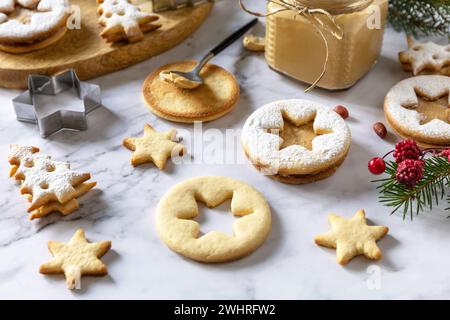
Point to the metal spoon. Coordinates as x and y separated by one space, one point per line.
194 75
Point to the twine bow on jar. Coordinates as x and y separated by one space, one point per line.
314 15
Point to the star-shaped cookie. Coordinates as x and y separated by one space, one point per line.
154 147
76 258
352 237
429 58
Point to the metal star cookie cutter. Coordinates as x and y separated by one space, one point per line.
164 5
27 110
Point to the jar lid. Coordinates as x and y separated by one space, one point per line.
335 6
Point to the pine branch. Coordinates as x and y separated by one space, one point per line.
426 194
420 17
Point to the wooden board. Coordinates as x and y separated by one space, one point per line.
84 50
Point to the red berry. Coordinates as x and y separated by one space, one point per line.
445 153
410 172
406 149
377 166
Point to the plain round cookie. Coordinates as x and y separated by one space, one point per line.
407 121
180 233
213 99
329 147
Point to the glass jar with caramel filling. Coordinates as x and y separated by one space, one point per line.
295 47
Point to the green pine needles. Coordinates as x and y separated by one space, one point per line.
420 17
428 192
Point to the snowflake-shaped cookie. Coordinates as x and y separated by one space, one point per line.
46 180
123 20
426 57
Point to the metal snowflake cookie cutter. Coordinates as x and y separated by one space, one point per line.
164 5
27 108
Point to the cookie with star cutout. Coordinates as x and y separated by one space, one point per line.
156 147
296 141
426 58
77 258
178 208
29 25
418 108
352 237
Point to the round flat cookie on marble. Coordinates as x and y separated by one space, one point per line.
178 207
214 98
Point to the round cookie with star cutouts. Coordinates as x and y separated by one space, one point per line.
296 141
29 25
177 209
418 108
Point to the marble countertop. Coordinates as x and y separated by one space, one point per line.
289 265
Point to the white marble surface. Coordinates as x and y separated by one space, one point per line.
289 265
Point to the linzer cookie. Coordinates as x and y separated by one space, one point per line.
418 108
174 101
122 20
296 141
426 58
28 25
49 185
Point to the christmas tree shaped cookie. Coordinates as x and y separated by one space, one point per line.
124 21
49 185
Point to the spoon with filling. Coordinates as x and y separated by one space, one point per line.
192 79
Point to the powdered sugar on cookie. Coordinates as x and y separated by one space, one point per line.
425 56
46 180
400 102
122 17
38 19
263 146
7 6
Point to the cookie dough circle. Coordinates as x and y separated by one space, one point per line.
329 147
216 97
178 207
407 121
